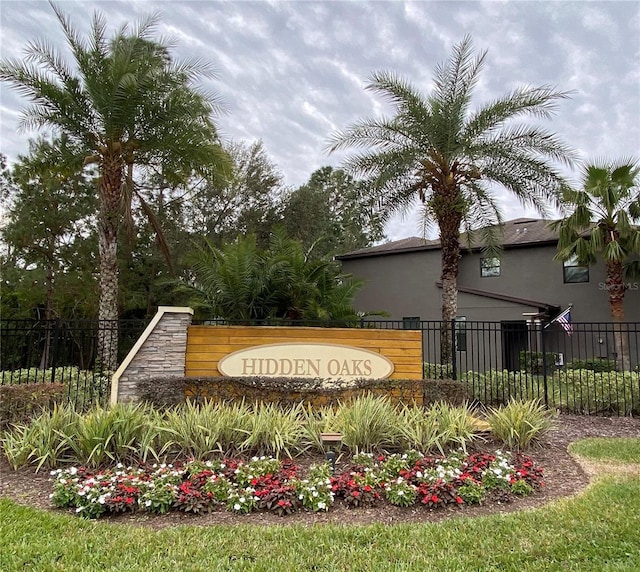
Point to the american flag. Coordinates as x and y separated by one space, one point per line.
564 320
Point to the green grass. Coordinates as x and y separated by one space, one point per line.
596 531
619 449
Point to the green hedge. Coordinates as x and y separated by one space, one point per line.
595 364
164 392
21 403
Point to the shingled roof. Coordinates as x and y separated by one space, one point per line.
515 233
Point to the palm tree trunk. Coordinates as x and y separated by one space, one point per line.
110 191
616 289
450 255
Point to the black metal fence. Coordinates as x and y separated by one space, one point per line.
63 351
589 368
585 368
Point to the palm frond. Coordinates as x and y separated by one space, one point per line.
524 101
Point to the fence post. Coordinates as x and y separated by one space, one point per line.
54 349
544 366
454 372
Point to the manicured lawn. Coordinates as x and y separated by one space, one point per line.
618 449
596 531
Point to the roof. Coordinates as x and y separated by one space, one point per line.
515 233
544 307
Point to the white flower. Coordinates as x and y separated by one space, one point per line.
236 506
322 505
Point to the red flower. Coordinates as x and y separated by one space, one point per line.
356 494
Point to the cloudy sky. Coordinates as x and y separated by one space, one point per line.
291 73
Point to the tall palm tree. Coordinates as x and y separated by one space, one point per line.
603 224
452 159
129 106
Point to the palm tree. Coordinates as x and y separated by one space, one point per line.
603 224
129 106
437 150
239 281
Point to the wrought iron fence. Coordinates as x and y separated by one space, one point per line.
583 368
63 351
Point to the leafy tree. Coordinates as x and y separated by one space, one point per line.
332 213
240 281
603 225
128 105
48 225
450 158
244 202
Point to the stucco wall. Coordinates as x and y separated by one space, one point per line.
404 284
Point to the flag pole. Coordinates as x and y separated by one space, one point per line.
559 316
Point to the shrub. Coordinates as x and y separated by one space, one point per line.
597 393
456 425
83 388
112 434
193 430
437 370
594 364
44 441
447 390
162 392
533 362
273 430
368 423
19 404
519 424
419 429
497 387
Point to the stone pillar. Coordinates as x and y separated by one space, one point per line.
159 352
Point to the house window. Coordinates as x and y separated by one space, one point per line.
461 334
574 272
411 323
489 267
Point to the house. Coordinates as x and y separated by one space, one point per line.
523 286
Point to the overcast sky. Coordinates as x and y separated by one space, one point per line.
291 73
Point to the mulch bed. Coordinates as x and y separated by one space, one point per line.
562 474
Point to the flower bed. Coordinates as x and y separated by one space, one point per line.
282 487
